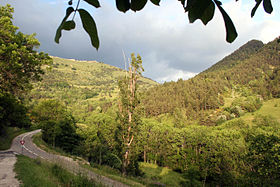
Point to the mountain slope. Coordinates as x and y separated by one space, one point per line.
82 85
244 52
253 70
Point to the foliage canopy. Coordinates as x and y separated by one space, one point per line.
19 62
197 10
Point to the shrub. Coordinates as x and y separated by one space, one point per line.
12 112
263 158
265 120
221 119
237 110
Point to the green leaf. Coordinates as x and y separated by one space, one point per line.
90 27
203 10
69 10
123 5
69 25
155 2
267 6
183 2
230 29
258 2
94 3
137 5
208 13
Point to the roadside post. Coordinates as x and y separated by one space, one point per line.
22 143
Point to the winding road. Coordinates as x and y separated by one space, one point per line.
31 150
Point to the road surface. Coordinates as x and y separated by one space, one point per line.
31 150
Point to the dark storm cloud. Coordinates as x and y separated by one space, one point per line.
171 48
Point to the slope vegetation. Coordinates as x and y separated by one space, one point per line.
252 70
82 85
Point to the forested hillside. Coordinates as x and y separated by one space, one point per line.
253 69
220 128
82 85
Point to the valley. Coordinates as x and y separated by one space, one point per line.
95 124
199 126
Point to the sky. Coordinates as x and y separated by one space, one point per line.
170 47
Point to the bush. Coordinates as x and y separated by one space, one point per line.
192 177
248 104
265 121
263 158
237 111
58 125
221 119
12 112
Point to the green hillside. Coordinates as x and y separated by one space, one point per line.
82 85
252 70
220 128
244 52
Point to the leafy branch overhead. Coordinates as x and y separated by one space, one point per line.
197 10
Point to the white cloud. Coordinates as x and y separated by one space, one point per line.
171 48
174 75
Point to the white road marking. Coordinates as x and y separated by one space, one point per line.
26 147
30 151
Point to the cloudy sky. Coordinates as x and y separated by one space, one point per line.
170 46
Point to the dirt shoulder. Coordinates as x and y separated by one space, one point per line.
7 174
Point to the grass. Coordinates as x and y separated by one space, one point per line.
116 175
38 173
82 85
161 175
37 140
7 136
153 174
269 108
102 170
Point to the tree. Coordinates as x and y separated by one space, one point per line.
19 62
19 65
12 112
57 124
263 157
99 139
128 117
197 9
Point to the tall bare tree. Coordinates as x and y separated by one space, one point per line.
129 119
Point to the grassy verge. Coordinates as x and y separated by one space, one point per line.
7 136
38 173
37 140
153 175
163 175
101 170
116 175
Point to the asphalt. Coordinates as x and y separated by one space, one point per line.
29 149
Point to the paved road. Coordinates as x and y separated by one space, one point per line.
31 150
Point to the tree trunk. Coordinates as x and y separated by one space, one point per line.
145 159
100 160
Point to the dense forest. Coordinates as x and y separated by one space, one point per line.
212 130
